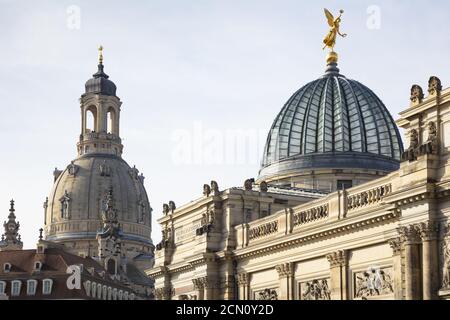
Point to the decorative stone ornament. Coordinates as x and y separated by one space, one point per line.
165 209
317 289
172 206
434 86
214 188
105 170
65 204
266 294
72 169
263 186
248 184
416 94
206 190
11 238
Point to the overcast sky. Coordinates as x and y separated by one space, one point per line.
192 76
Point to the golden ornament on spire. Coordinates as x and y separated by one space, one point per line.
330 38
100 55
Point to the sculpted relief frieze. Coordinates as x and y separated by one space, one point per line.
373 282
266 294
445 258
317 289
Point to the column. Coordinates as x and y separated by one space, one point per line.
410 240
396 246
430 264
228 288
210 286
338 274
199 288
243 283
286 277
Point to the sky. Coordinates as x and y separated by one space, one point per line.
200 82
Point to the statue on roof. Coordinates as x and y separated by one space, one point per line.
330 38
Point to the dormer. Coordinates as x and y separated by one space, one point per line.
37 266
6 267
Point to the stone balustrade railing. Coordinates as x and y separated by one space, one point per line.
310 214
100 135
368 197
263 230
328 209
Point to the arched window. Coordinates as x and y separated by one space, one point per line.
91 119
37 266
47 286
15 287
109 293
2 287
105 292
94 289
114 294
110 121
111 266
6 267
31 287
99 291
87 288
120 294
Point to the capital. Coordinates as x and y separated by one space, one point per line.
285 269
396 245
337 258
408 234
427 230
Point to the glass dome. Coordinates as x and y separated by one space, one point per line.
332 122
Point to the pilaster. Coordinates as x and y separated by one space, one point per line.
286 278
338 274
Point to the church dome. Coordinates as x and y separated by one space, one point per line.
331 122
100 84
99 186
78 197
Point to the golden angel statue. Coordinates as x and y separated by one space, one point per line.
330 39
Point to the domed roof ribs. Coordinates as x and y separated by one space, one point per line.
374 118
345 107
381 110
389 120
297 108
360 118
322 112
338 111
306 130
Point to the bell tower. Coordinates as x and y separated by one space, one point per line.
100 115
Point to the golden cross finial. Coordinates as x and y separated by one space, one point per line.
100 55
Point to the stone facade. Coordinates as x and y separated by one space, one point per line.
388 238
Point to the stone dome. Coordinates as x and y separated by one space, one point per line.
100 84
78 195
331 122
98 193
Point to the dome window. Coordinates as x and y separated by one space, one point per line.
6 267
37 266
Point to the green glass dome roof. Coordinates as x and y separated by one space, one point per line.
329 122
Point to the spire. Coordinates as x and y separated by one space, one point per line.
100 73
11 215
11 239
100 55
